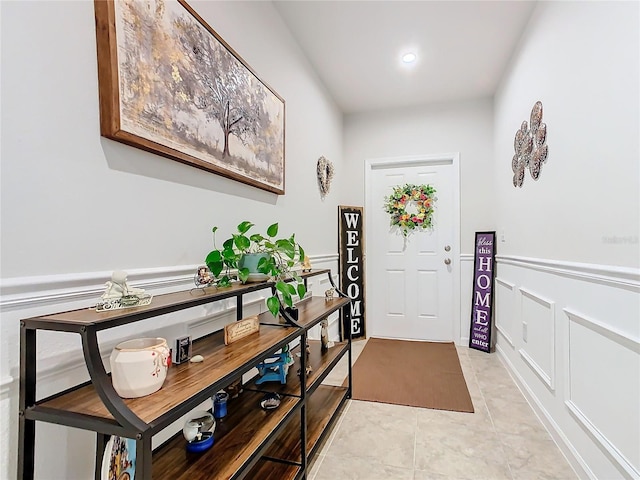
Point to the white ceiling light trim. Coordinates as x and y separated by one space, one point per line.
409 58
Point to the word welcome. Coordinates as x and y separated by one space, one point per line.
351 268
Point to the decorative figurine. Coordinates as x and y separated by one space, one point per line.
324 335
308 369
306 264
118 294
277 370
328 294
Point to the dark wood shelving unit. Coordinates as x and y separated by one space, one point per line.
185 383
238 437
322 407
249 442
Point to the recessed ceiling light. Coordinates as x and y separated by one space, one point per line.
409 57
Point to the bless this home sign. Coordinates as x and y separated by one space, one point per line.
352 269
481 337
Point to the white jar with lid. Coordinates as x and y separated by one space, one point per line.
139 366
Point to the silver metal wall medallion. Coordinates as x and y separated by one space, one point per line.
530 147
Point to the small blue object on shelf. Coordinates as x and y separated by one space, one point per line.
220 404
275 371
205 443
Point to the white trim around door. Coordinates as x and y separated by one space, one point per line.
452 159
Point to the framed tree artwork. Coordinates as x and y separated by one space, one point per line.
169 84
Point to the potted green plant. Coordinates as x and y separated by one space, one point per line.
276 259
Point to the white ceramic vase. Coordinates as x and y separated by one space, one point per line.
139 366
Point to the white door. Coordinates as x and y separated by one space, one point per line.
413 282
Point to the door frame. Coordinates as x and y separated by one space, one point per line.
412 161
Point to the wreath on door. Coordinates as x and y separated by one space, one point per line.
411 207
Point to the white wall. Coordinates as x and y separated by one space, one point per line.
75 206
568 266
465 127
66 190
585 207
568 283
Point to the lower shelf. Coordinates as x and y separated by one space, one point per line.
321 409
269 469
239 437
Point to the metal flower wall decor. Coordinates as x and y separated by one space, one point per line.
531 148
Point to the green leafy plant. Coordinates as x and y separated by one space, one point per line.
281 256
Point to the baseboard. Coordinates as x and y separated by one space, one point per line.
570 453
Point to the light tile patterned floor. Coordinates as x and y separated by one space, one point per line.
502 440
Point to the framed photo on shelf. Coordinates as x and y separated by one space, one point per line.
119 459
170 85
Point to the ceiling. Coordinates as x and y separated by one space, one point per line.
463 48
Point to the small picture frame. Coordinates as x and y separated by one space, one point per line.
203 277
183 350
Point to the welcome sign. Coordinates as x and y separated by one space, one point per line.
481 337
351 261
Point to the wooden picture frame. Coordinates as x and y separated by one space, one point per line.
170 85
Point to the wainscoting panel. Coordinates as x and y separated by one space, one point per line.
613 370
538 335
504 310
573 346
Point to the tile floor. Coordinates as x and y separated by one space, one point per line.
502 440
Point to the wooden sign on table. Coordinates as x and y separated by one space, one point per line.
240 329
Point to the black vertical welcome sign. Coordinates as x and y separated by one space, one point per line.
351 248
481 335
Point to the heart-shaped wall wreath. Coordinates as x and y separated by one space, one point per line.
324 170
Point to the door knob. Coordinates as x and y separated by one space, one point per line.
447 248
447 261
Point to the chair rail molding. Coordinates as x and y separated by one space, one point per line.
627 277
30 291
22 292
